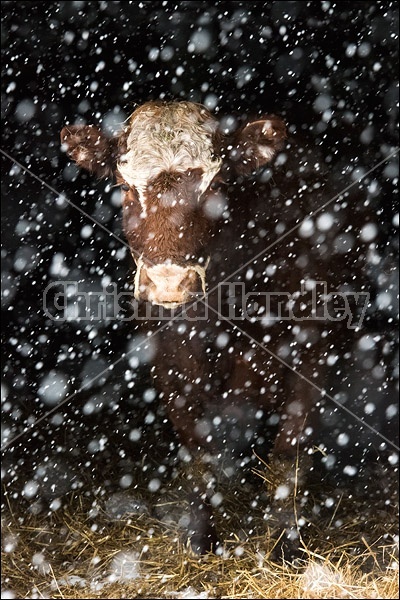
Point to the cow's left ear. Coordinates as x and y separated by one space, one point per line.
256 143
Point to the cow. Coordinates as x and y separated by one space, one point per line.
202 236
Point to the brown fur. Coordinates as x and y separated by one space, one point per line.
247 140
157 236
91 149
169 223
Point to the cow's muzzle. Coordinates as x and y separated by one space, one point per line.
168 284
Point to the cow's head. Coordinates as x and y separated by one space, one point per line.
168 161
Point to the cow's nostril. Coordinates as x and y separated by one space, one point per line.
145 280
192 283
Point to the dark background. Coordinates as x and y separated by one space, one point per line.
329 68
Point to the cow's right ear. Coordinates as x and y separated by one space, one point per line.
90 149
256 143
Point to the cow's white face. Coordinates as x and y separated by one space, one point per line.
166 161
173 138
169 161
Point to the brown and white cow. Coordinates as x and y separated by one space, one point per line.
186 232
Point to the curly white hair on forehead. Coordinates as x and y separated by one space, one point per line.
175 136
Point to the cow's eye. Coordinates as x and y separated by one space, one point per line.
125 187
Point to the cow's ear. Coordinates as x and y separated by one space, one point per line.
256 143
90 149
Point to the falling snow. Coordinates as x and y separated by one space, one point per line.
81 406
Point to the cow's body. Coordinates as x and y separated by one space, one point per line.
185 231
